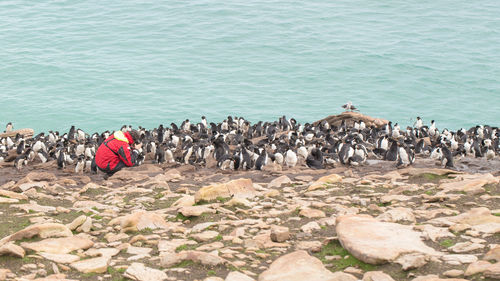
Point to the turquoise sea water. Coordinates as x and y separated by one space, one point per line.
101 64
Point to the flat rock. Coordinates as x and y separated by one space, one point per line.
13 195
238 276
299 266
398 215
376 242
205 235
141 220
139 272
59 245
184 201
479 219
493 271
323 181
94 265
279 181
459 259
195 211
12 249
432 277
43 230
235 188
376 276
493 254
128 175
312 213
471 183
60 258
168 259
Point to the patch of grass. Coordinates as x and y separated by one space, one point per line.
430 192
380 204
322 226
211 273
181 217
88 275
113 271
159 195
185 247
497 214
333 249
146 231
447 243
184 263
222 199
97 217
218 237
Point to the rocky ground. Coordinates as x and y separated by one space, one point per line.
190 223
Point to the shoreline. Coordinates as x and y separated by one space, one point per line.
175 221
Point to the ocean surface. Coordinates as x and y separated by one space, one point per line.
101 64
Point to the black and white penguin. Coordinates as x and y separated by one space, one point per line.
418 124
43 156
406 157
261 160
392 153
71 133
20 161
290 158
345 153
9 127
61 159
447 158
315 159
80 164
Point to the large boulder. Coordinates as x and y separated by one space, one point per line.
298 266
376 242
350 117
44 230
59 245
236 188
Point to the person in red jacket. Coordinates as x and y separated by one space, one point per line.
117 151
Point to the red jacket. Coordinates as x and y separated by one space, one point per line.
114 149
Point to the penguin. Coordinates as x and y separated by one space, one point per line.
392 153
80 164
43 156
80 134
20 161
9 127
406 157
315 159
204 122
261 160
93 167
290 158
447 158
418 124
71 134
61 159
345 153
160 155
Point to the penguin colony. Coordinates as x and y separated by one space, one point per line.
236 144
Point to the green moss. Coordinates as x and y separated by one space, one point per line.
218 237
335 249
447 243
211 273
384 204
159 195
430 192
181 217
185 247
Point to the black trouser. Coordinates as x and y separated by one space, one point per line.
109 171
